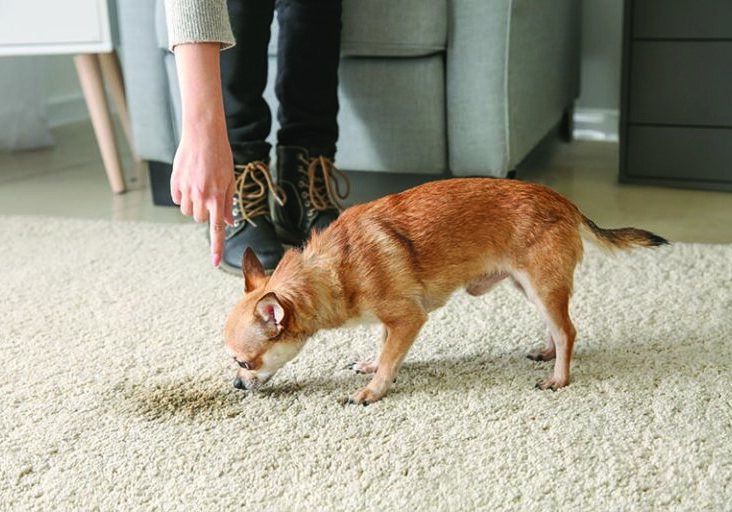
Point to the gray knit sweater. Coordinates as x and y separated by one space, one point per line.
198 21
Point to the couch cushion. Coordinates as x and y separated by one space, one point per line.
377 28
389 28
385 124
380 130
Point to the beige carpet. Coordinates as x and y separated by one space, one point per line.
115 392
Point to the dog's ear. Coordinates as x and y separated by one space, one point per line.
271 314
252 269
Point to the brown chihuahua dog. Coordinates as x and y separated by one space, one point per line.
397 258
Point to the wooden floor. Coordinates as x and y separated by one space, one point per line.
69 180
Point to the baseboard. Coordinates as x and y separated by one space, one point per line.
596 124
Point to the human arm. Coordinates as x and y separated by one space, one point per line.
202 182
202 179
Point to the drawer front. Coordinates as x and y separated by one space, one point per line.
687 83
53 26
682 19
694 154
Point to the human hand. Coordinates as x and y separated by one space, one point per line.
202 184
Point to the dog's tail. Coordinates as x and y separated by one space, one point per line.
622 238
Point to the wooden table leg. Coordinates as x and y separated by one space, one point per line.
112 73
90 75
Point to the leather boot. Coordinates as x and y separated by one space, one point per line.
312 185
253 225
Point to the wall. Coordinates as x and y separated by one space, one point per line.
598 107
601 54
23 117
65 102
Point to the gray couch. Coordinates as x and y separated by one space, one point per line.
460 87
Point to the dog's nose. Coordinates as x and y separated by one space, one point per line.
239 384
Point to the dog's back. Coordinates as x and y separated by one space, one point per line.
433 239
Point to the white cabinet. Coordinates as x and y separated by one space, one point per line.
85 29
41 27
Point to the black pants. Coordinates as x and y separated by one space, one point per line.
307 74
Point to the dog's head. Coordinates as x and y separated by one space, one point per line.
260 333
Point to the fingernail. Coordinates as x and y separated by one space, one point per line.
216 259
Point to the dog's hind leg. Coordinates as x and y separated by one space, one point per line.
562 332
552 301
546 354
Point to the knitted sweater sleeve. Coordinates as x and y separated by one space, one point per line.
198 21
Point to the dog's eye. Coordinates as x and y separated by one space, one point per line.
244 364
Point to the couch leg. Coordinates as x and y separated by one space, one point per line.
160 182
566 125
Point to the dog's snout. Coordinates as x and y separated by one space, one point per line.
239 384
248 383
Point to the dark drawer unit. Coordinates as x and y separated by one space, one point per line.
676 106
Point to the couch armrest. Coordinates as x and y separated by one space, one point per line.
146 83
512 68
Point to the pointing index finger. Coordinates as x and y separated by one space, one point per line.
217 228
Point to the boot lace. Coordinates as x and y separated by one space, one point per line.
251 187
324 183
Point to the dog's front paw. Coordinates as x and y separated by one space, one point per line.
546 354
364 396
552 383
363 367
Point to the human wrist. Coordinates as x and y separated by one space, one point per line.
204 125
199 77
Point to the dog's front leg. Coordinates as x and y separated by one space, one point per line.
370 366
400 334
